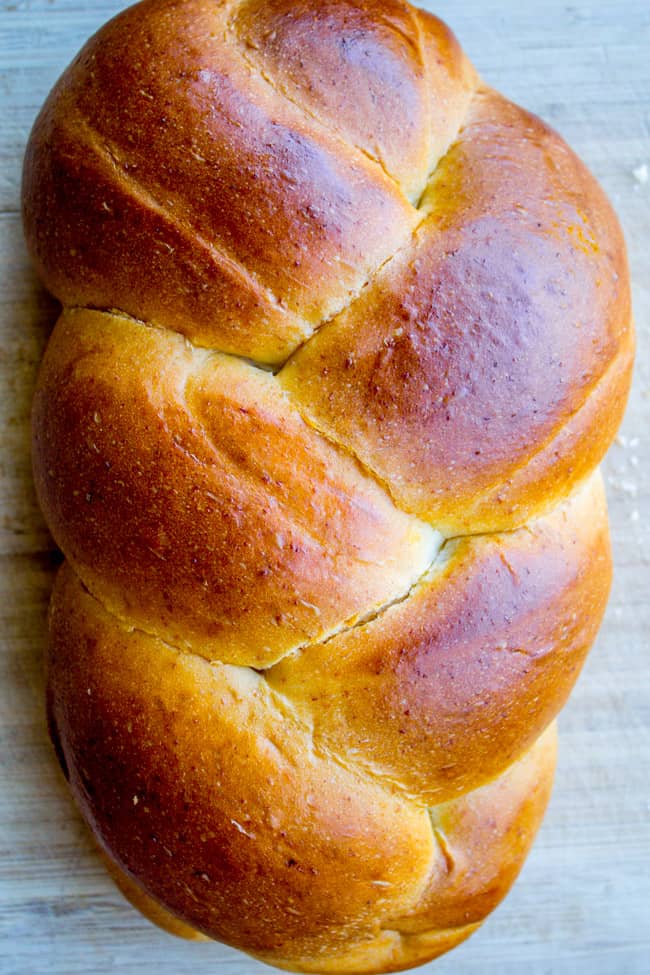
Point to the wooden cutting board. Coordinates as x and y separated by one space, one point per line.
582 903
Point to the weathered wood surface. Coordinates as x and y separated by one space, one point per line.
582 904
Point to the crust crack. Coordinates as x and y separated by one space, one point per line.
435 566
280 702
339 446
280 90
371 279
109 154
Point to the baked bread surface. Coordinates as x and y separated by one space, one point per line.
345 337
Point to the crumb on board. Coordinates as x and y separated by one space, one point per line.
623 486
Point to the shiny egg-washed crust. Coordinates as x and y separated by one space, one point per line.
345 336
216 795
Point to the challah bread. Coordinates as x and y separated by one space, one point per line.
345 336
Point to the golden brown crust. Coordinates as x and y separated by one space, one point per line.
193 499
199 781
245 227
393 57
150 908
202 782
450 686
480 343
315 621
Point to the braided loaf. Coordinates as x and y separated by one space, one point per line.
345 336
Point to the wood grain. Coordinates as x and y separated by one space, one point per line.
583 900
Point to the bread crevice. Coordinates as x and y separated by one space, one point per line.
110 156
280 90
